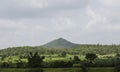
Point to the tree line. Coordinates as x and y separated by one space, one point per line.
81 50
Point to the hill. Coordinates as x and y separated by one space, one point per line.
60 43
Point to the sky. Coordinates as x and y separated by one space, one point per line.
36 22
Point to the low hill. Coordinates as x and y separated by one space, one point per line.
60 43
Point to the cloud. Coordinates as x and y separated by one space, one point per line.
14 9
96 20
63 23
35 22
110 3
103 19
24 3
7 23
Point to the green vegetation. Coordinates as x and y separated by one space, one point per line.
59 70
106 55
108 50
34 61
60 43
91 57
79 58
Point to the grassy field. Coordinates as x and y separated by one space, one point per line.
59 70
48 58
54 57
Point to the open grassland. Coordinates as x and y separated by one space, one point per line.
53 57
59 70
48 58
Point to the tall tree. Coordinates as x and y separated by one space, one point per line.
91 57
63 54
76 58
34 60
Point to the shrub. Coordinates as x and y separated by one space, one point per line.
77 65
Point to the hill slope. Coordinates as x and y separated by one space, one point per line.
60 43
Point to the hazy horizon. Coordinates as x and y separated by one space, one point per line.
36 22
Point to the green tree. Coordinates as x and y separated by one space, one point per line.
63 54
76 58
84 67
91 57
20 64
3 57
34 60
117 65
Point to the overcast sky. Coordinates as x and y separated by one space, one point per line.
36 22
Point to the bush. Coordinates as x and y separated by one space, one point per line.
76 65
58 64
76 58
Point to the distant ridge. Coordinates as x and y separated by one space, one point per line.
60 43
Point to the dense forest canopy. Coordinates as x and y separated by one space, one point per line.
81 49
